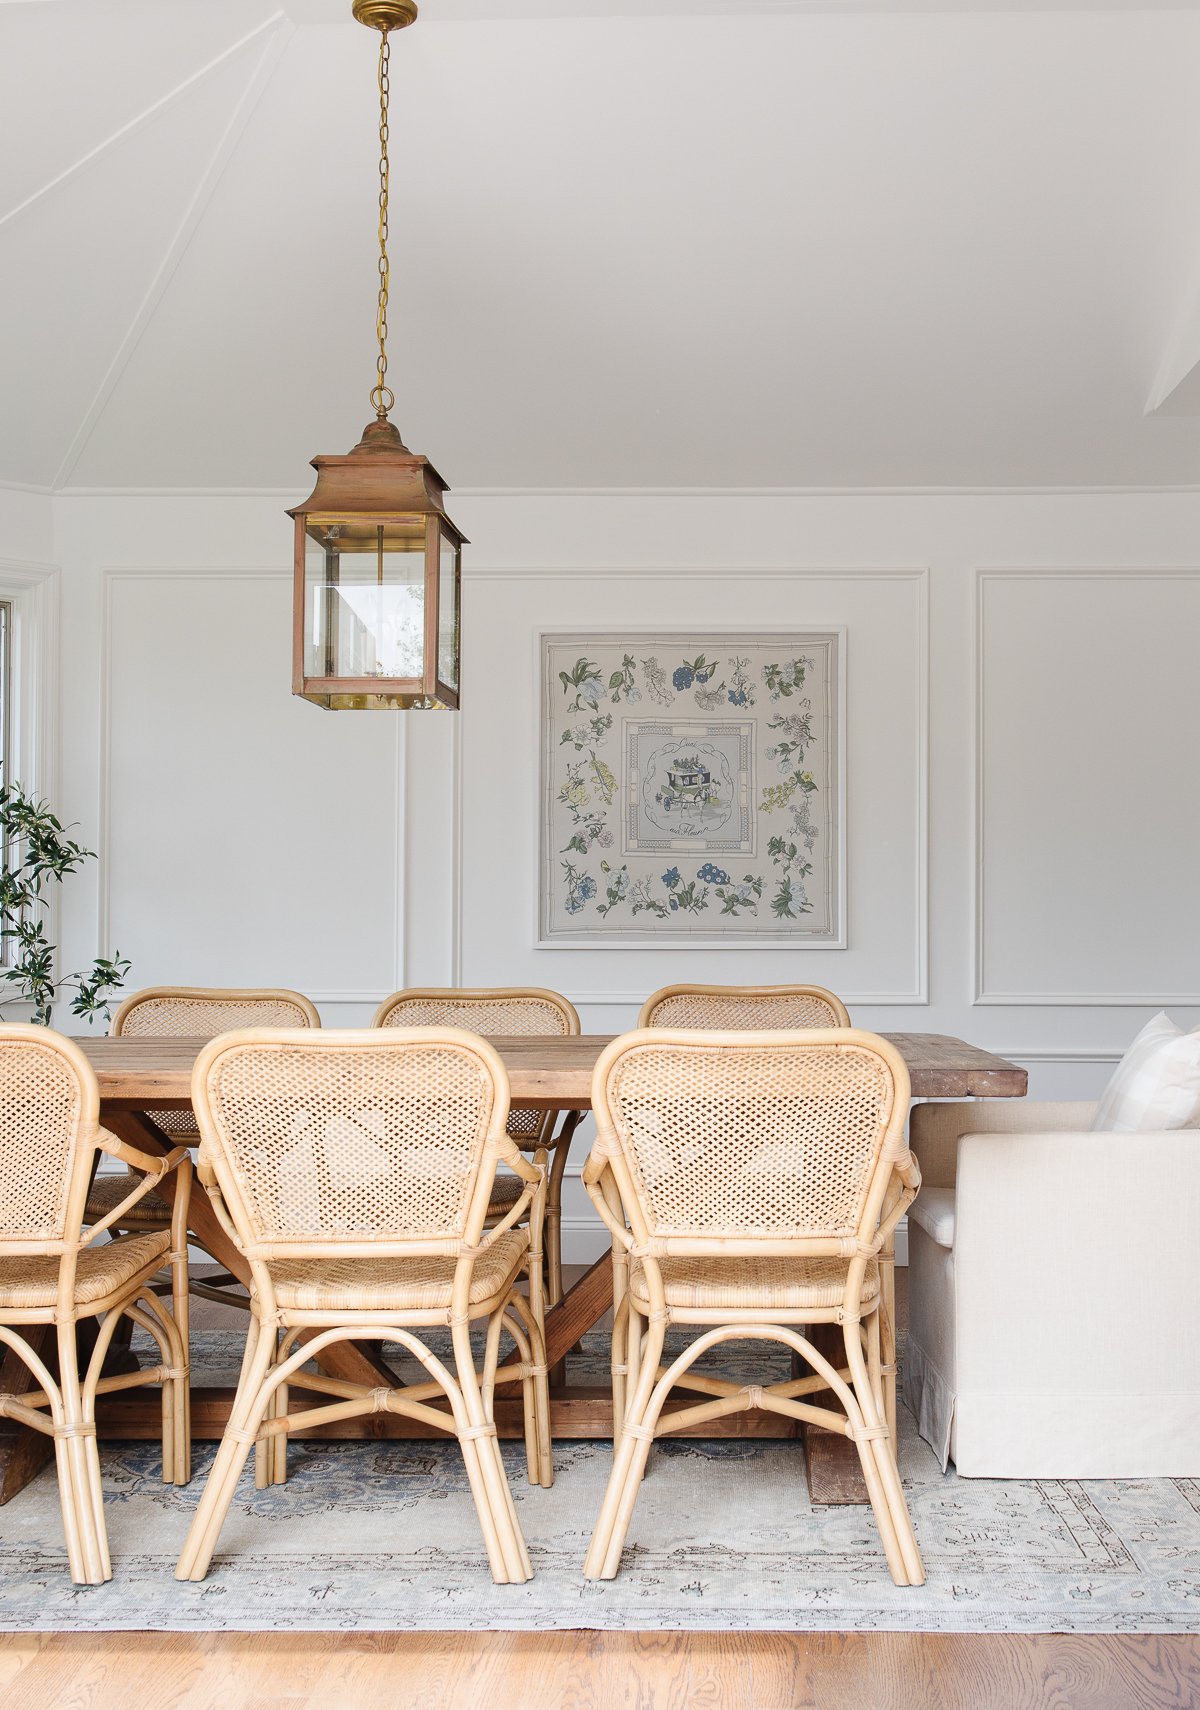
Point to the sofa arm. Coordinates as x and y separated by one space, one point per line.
935 1129
1075 1262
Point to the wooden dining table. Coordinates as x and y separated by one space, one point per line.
138 1076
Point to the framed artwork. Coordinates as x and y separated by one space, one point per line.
692 788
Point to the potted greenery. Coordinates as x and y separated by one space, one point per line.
36 852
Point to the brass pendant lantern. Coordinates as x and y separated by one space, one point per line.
378 561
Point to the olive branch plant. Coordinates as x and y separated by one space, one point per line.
36 852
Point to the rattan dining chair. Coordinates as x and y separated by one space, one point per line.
191 1012
53 1280
745 1178
354 1171
743 1006
529 1011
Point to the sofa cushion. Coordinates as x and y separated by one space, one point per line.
1156 1085
933 1209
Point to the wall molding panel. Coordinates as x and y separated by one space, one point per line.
916 994
112 578
983 993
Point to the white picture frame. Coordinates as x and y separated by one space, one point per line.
692 788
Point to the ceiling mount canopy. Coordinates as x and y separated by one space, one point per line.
378 565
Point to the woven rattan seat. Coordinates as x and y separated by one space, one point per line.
111 1187
751 1181
356 1171
54 1273
100 1271
506 1011
757 1285
394 1285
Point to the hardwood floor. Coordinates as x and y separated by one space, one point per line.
596 1671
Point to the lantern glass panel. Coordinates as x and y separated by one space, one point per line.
364 604
448 611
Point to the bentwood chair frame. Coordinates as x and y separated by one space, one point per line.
742 1007
51 1274
803 1132
321 1274
500 1011
161 1012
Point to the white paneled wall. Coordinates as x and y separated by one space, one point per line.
1022 730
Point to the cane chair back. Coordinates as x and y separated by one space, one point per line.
350 1139
527 1012
779 1137
201 1012
49 1110
51 1275
743 1007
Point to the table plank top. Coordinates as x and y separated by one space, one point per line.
147 1074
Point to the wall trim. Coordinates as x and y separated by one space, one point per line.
981 995
35 589
110 575
1116 489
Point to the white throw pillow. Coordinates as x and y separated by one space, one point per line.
1156 1084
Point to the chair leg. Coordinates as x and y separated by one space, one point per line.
79 1472
553 1229
176 1391
879 1471
538 1394
629 1464
480 1446
264 1449
248 1408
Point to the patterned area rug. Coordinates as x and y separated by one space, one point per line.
382 1536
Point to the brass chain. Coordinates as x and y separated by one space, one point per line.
382 396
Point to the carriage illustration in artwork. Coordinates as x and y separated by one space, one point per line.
689 788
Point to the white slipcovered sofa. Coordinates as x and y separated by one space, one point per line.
1054 1279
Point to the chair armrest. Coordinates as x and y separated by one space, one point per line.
1074 1258
935 1129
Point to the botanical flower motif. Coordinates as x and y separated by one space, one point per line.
709 699
656 682
581 887
642 901
671 878
621 682
606 783
675 902
770 753
734 898
712 875
787 678
605 838
697 670
742 692
585 679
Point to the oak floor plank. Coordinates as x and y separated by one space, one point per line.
598 1671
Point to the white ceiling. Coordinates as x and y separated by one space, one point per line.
678 243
